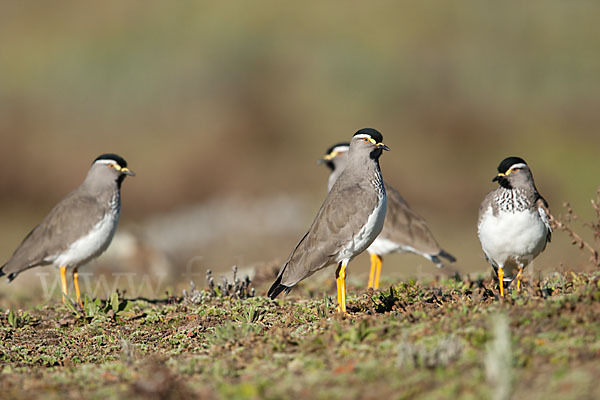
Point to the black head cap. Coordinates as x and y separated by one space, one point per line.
371 132
114 157
509 162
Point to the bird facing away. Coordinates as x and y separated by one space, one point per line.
349 220
404 231
513 225
79 228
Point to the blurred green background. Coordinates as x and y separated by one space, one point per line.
231 103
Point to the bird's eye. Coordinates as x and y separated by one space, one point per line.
366 140
110 165
516 169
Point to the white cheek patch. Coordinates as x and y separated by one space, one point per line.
363 136
519 165
113 163
106 162
340 150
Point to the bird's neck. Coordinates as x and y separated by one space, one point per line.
107 192
378 181
362 169
373 171
515 200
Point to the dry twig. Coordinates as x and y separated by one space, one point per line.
563 223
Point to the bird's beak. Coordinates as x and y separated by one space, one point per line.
328 157
383 146
497 177
126 171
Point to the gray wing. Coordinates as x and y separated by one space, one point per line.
341 216
405 227
485 205
544 212
73 217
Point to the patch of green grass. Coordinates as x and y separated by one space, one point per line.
410 341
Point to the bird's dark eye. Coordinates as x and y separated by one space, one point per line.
366 140
516 169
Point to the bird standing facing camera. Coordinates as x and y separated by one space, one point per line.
349 220
513 225
79 228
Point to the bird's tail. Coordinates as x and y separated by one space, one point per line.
9 276
436 258
447 256
277 288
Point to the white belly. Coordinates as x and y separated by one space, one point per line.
90 245
367 234
515 238
383 246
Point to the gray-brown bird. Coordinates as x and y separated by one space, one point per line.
404 230
349 220
513 225
79 228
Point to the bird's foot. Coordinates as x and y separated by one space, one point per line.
342 311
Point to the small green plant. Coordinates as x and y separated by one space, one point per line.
323 309
18 320
116 304
252 315
94 308
386 302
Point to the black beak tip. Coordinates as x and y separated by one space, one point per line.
496 179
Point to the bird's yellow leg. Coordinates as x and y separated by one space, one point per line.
63 282
501 281
341 287
378 272
76 284
519 277
372 273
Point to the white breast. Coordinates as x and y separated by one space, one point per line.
512 237
368 233
92 244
